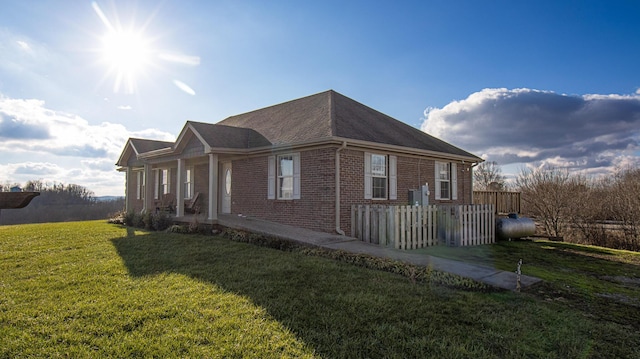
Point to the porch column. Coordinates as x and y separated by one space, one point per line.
149 179
180 189
213 186
128 196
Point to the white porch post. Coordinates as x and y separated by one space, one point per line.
180 189
148 188
213 186
128 196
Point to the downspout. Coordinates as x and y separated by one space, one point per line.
338 230
473 165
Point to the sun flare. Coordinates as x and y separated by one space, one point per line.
128 53
125 51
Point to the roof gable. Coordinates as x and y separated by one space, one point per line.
137 146
221 136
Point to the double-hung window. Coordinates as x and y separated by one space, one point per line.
161 183
165 181
446 181
188 183
380 176
284 176
140 185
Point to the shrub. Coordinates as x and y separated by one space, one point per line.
161 221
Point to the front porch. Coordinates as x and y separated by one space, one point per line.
188 189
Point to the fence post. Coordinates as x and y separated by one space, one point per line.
396 228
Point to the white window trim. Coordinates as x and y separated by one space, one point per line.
453 181
188 182
391 175
166 180
272 177
156 184
140 185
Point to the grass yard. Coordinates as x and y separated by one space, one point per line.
92 289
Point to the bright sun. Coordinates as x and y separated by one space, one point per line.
125 52
128 54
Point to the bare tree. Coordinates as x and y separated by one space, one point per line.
487 176
550 195
624 205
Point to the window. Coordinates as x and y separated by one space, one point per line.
140 185
446 181
161 183
284 177
380 176
188 183
165 181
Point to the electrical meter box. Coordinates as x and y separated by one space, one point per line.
419 197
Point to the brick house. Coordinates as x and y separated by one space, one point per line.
302 163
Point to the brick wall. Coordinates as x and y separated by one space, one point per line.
315 208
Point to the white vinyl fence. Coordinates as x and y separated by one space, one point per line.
411 227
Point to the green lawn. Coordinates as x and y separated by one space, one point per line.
92 289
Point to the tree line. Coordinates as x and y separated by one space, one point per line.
602 211
58 202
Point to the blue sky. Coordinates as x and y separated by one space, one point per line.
524 83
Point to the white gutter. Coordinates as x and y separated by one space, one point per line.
338 230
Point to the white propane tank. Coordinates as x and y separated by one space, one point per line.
514 227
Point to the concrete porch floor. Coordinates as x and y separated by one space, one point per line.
487 275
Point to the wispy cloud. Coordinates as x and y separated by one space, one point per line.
184 87
61 146
592 133
180 58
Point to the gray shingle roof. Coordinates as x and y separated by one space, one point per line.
142 145
324 116
221 136
328 115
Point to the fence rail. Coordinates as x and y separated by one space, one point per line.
412 227
504 202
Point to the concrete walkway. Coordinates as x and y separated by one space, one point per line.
490 276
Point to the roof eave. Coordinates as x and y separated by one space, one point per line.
156 153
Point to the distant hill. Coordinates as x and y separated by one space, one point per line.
108 198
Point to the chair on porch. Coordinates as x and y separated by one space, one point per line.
166 204
190 205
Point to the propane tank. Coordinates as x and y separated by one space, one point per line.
514 227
